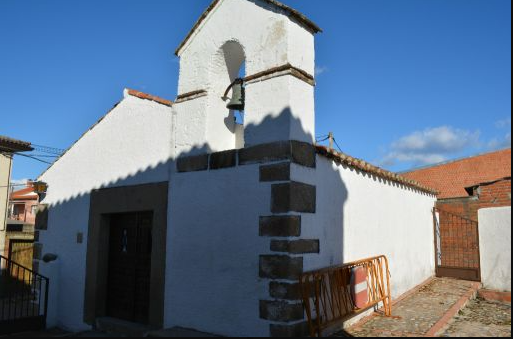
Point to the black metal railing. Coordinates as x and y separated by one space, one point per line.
23 298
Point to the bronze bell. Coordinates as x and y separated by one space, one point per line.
238 100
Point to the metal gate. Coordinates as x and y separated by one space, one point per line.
457 246
23 298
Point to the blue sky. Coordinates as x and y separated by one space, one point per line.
401 83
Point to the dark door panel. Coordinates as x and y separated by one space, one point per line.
129 266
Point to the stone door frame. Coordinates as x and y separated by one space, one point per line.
105 202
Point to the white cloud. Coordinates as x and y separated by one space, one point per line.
503 123
320 70
431 145
504 141
497 143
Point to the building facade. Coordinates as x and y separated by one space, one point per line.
8 147
23 205
177 216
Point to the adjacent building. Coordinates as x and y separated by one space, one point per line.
469 184
8 147
473 217
23 205
21 217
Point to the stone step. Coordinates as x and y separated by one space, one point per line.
122 327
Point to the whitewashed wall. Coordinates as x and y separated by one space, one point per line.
130 146
360 216
266 38
495 247
213 243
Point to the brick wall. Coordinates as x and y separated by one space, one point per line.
459 223
452 178
496 194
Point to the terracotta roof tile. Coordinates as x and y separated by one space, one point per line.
14 145
364 166
453 177
146 96
26 193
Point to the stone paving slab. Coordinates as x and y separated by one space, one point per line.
481 318
415 315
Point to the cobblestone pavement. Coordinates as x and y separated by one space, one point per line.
482 318
416 314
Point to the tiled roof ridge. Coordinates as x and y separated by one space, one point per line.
15 143
449 162
22 194
364 166
490 182
301 18
146 96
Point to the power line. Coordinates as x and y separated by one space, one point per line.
14 185
338 146
34 158
48 149
44 155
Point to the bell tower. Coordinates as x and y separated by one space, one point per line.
270 46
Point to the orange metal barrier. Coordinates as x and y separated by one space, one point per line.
329 295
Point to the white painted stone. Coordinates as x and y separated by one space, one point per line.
255 32
213 243
495 247
130 146
52 269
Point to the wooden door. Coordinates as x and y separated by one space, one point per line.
128 289
21 252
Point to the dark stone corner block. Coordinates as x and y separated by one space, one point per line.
296 246
280 267
192 164
293 197
301 153
42 217
285 291
224 159
280 226
278 172
281 311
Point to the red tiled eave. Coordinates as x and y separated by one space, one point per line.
453 178
146 96
13 145
371 169
23 194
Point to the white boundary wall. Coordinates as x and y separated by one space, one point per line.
372 217
495 247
